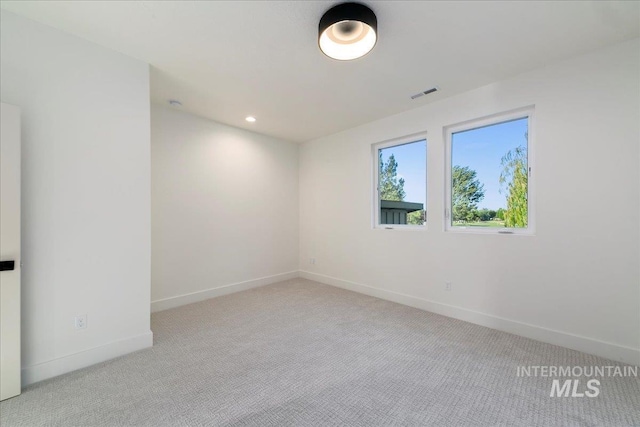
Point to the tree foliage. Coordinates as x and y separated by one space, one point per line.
485 214
467 192
391 188
416 217
515 177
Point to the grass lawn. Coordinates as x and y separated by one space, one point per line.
497 224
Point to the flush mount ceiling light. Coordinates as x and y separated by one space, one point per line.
347 31
250 119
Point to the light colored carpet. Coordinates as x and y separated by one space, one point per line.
302 353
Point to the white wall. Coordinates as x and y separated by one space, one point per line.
224 208
85 196
575 283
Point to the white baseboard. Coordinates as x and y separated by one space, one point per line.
62 365
575 342
166 303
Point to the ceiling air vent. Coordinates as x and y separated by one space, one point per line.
426 92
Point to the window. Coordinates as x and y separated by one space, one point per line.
489 167
400 183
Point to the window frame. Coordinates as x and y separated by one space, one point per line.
404 140
520 113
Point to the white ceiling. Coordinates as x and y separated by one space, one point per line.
227 60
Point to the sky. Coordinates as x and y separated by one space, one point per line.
481 149
412 163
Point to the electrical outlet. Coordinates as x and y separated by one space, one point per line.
312 260
448 286
81 321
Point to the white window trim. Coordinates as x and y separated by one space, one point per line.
482 122
408 139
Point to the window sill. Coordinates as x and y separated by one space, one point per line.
400 227
495 231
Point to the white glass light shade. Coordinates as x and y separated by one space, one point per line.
347 40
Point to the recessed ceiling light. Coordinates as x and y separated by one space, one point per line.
250 119
347 31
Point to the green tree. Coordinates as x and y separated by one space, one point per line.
515 177
500 214
391 188
467 193
417 217
485 214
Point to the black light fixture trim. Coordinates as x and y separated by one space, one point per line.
348 12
